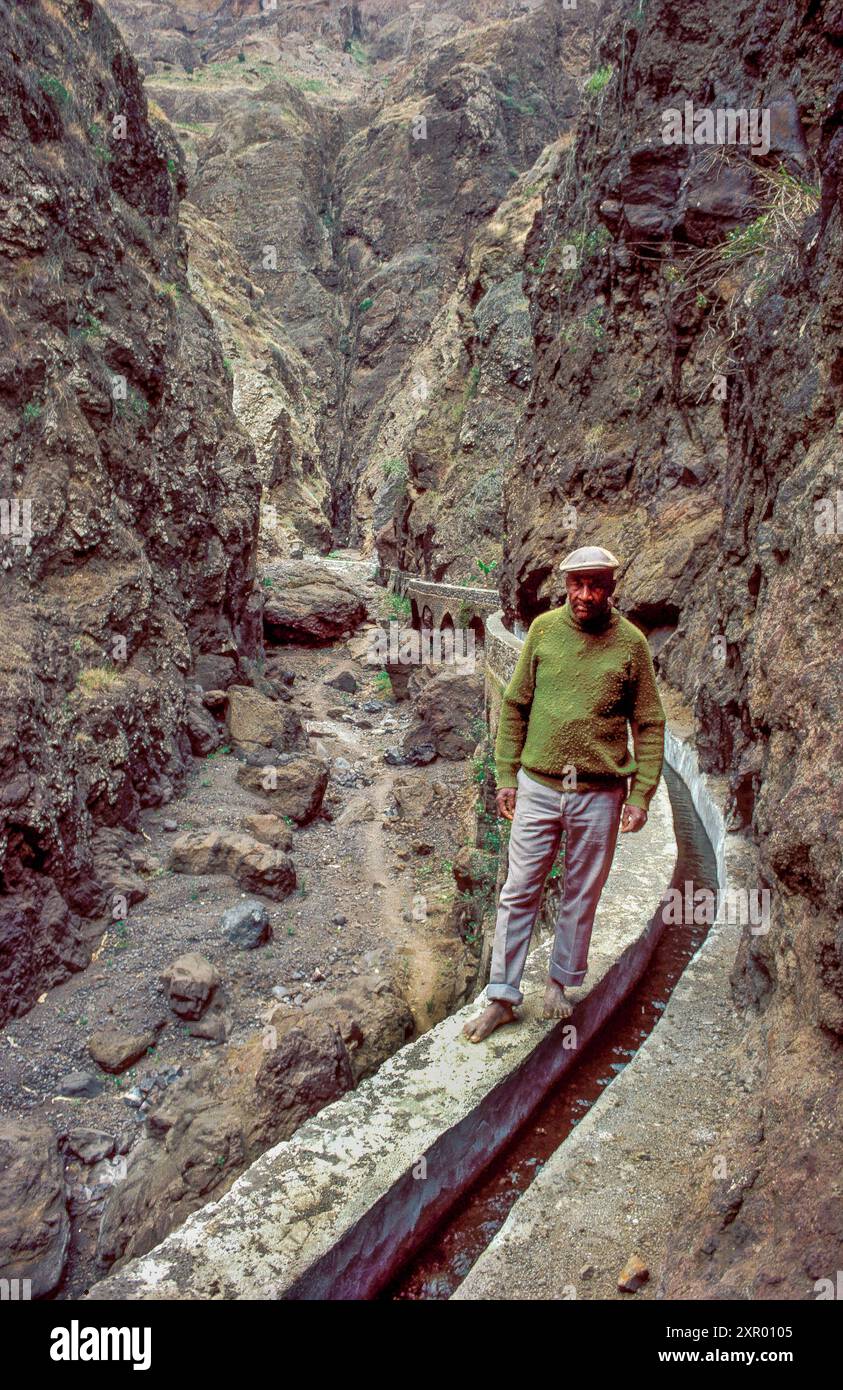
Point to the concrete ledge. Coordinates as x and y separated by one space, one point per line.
333 1211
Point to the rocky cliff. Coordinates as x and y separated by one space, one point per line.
363 175
685 411
129 491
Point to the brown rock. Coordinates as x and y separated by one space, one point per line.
255 721
356 812
197 1143
294 787
633 1275
373 1018
115 1050
414 798
250 862
215 700
306 603
270 830
445 712
190 982
34 1224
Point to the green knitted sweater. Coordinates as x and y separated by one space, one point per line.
568 703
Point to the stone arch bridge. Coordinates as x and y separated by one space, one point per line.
437 605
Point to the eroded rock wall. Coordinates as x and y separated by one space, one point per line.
120 445
686 412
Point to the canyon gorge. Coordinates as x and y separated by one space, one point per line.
303 301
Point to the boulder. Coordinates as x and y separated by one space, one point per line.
249 862
82 1084
89 1145
444 714
255 721
309 604
356 812
271 830
114 1049
294 787
342 680
190 981
247 925
413 798
373 1019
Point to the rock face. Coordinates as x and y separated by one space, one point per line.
688 369
214 1123
34 1225
342 162
132 483
217 1121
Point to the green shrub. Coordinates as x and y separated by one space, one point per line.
745 241
514 101
599 79
358 53
54 89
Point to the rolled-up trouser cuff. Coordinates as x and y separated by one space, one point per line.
566 977
507 993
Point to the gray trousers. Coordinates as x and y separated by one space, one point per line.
590 820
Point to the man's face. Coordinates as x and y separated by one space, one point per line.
590 592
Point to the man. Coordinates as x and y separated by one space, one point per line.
562 763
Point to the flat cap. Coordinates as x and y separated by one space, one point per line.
590 557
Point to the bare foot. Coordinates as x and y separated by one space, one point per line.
497 1013
555 1004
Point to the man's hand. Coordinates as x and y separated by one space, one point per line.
632 819
505 801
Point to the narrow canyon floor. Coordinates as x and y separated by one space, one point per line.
361 877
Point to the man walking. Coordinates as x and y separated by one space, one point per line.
562 764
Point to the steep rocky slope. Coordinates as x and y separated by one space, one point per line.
351 155
118 436
686 412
